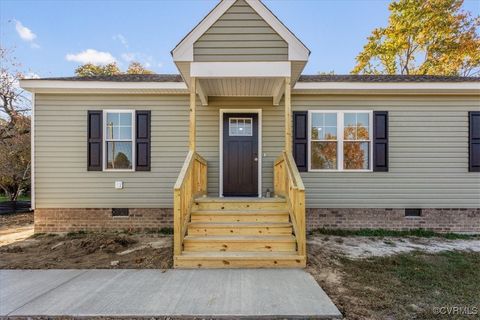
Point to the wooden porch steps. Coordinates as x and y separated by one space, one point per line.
239 233
240 260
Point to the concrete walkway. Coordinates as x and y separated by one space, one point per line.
266 293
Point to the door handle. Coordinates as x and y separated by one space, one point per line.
255 159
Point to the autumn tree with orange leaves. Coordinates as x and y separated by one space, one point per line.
423 37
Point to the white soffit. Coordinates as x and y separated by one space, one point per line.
53 86
297 51
61 86
240 69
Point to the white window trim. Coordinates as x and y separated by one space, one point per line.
104 140
340 140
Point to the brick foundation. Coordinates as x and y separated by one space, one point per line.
67 220
143 219
438 220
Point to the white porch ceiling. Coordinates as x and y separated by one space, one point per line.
241 87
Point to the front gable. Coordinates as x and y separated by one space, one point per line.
240 34
235 24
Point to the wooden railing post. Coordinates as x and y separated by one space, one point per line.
288 183
191 182
193 107
288 116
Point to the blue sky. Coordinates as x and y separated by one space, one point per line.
49 36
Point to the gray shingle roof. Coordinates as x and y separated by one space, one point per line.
384 78
303 78
124 78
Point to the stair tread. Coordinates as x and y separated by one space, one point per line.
239 224
241 255
241 199
240 212
238 238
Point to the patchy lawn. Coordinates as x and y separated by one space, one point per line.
369 278
3 198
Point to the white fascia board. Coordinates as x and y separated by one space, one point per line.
240 69
297 51
33 85
184 50
388 87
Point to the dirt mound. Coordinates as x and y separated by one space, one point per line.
98 242
89 250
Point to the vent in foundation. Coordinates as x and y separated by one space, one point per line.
413 212
119 212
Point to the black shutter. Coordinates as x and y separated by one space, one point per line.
142 141
474 141
94 143
300 140
380 141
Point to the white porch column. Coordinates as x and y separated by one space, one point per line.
192 124
288 116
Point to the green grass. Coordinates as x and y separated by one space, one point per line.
3 198
391 233
412 285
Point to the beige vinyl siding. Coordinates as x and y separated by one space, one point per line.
428 155
428 151
240 34
61 176
208 138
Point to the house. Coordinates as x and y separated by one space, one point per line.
243 154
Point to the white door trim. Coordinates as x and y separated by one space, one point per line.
260 155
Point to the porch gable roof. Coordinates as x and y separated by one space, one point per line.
184 51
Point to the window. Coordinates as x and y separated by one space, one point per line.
356 137
324 141
119 133
240 127
413 212
340 140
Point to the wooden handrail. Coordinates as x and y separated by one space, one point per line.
288 183
191 183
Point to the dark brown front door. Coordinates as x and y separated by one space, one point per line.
240 154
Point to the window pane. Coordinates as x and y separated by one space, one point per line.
362 119
240 127
316 133
362 133
330 133
355 155
324 126
119 155
317 119
330 119
349 120
113 119
125 133
324 155
113 132
125 119
349 133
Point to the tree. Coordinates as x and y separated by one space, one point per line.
136 67
434 37
15 159
90 69
14 128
